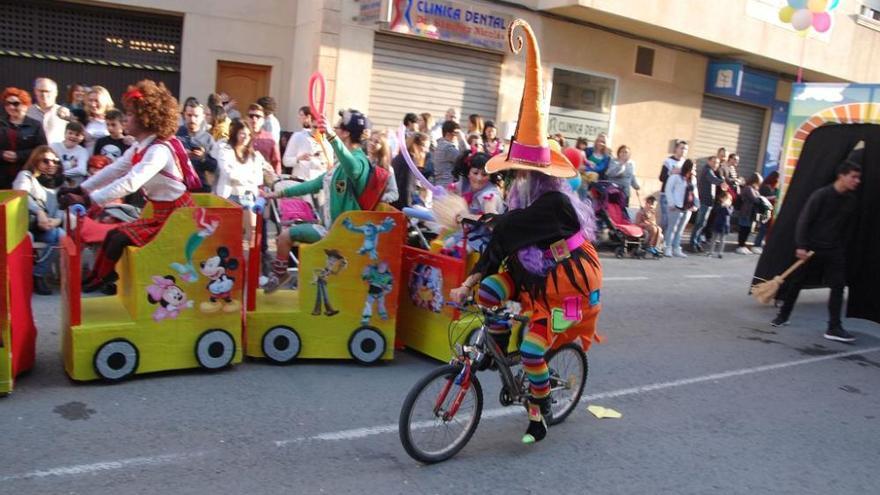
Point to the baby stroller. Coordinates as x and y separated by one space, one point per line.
284 212
609 205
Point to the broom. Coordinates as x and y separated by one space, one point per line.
765 291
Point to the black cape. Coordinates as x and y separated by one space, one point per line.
824 149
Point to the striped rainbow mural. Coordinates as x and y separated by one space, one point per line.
817 104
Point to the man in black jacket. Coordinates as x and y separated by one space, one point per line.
821 228
707 183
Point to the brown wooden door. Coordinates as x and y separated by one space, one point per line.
244 83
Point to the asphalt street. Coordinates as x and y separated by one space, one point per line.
713 399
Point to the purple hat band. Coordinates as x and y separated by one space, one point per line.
535 155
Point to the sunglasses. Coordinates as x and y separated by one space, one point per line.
13 103
51 161
255 116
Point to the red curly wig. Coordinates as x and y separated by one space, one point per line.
23 96
154 107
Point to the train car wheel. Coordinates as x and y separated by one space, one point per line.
366 345
215 349
116 360
281 345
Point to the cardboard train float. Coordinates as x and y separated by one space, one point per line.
17 332
827 124
188 299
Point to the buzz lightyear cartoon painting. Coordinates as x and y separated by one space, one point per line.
371 233
379 284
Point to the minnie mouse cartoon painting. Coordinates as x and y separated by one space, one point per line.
220 284
170 298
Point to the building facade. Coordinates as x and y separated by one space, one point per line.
646 72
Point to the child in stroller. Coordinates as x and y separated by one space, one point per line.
609 204
284 212
647 220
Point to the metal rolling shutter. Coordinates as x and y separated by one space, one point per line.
737 127
411 75
91 44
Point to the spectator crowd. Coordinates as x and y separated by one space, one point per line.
45 145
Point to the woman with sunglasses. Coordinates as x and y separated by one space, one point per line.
19 134
37 179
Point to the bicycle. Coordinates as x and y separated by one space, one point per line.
448 402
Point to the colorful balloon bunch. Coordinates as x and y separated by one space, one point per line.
806 14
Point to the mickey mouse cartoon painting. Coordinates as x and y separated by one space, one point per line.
220 283
170 298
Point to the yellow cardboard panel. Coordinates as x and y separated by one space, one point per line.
357 268
189 279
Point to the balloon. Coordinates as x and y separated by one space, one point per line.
817 6
822 22
785 14
802 19
797 4
833 4
401 138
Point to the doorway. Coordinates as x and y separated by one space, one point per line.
244 83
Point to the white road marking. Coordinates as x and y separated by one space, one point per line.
622 279
358 433
702 276
102 466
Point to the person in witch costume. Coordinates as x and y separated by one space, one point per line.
153 165
543 243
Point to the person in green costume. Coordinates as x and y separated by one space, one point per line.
342 185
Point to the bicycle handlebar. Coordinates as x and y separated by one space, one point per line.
500 312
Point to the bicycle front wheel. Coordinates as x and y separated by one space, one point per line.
568 375
439 416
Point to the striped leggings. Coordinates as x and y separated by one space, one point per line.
493 291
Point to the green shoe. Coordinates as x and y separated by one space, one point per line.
537 429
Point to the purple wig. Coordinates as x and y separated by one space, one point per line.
529 186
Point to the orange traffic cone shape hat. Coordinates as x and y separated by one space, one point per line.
529 149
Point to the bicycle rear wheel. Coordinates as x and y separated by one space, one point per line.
428 432
568 375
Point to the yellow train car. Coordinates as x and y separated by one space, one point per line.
430 326
179 302
425 323
345 305
17 332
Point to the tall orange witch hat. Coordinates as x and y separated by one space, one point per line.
529 149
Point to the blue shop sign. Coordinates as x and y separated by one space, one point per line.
735 80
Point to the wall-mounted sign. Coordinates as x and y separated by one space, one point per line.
451 21
735 80
369 11
580 104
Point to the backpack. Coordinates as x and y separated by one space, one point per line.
372 193
190 177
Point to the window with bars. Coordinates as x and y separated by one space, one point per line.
101 34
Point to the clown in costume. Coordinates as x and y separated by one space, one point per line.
154 165
543 244
479 192
341 186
